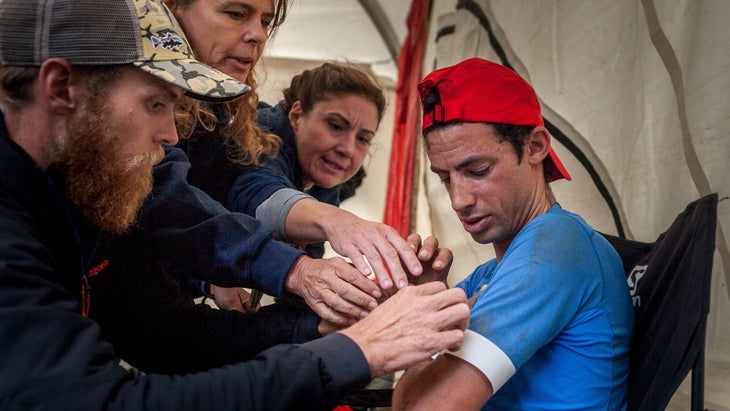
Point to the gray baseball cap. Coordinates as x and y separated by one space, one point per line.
108 32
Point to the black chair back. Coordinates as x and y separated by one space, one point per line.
669 281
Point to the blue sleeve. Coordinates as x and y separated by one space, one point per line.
536 289
474 281
188 228
255 184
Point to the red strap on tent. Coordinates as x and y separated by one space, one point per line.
402 157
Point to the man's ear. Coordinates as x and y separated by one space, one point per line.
538 146
295 113
56 83
173 5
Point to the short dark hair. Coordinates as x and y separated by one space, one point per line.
16 82
514 134
517 137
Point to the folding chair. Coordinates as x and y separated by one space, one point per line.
669 281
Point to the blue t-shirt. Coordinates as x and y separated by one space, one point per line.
558 308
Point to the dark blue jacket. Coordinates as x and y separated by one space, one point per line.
242 188
190 229
54 358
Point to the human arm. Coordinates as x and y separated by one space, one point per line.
336 306
269 193
410 326
55 359
435 262
544 312
227 298
76 369
188 229
233 298
362 241
445 383
157 328
333 288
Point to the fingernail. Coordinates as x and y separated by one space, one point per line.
438 264
376 294
372 305
402 283
363 314
423 254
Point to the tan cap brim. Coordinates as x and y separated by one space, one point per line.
199 80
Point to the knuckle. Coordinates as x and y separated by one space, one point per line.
390 253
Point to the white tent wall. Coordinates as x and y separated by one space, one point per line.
646 113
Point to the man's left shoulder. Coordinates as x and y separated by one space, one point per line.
559 226
558 217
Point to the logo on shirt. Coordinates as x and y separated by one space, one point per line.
95 270
633 280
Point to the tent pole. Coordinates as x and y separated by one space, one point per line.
382 24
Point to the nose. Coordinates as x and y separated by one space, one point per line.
346 146
254 33
167 134
461 195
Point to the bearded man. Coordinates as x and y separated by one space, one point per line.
88 91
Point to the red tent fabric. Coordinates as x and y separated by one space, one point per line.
402 158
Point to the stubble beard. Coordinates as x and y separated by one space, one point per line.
107 187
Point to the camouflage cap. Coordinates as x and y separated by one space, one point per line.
107 32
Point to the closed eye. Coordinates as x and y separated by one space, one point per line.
364 140
156 105
336 126
237 14
480 172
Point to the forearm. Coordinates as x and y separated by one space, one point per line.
299 218
311 221
158 329
190 230
86 375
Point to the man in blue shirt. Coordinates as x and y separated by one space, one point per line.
552 329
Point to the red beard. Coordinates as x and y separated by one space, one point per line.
105 186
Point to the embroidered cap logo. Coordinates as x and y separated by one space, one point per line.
431 101
170 42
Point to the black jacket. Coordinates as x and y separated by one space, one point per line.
182 232
54 358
